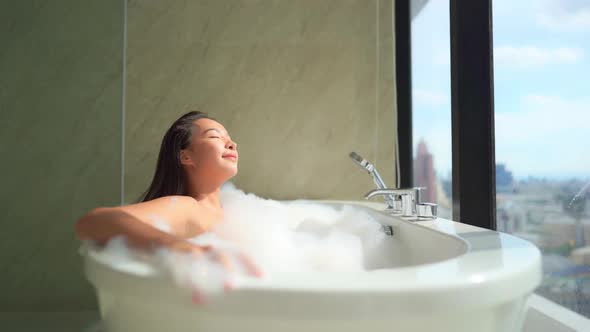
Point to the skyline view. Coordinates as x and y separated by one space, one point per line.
542 100
542 125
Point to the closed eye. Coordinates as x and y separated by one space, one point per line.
214 137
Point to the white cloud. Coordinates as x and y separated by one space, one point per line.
547 135
430 98
533 56
542 117
564 14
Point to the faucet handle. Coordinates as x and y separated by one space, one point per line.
418 194
426 210
408 206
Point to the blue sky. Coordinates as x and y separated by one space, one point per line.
541 83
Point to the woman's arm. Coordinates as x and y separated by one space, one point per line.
138 223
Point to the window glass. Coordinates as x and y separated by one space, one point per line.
542 122
431 102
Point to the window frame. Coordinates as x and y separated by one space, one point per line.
472 108
403 72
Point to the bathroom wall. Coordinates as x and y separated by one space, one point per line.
60 143
298 83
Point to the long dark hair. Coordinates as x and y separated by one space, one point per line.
169 178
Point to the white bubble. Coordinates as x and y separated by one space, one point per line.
299 236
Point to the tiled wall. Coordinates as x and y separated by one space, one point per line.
299 84
60 134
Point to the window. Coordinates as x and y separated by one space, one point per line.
542 122
431 102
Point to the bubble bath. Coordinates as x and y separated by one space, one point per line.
280 237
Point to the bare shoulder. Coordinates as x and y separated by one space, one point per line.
173 211
164 203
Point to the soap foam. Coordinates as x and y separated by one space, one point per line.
281 237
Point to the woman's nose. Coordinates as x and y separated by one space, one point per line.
232 145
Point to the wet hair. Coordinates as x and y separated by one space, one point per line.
169 178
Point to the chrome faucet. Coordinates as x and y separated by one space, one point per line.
403 201
411 205
406 196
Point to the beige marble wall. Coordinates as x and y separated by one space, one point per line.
60 133
298 83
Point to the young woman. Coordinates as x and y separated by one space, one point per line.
196 158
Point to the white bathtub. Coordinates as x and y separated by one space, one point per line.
444 276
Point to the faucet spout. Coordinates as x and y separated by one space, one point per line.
405 198
390 192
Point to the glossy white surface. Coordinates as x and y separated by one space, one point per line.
442 276
543 315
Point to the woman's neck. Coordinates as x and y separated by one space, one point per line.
208 194
210 200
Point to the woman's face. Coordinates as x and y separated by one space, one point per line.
212 151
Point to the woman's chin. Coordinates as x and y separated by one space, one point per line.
231 171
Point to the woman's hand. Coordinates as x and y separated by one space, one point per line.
215 263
